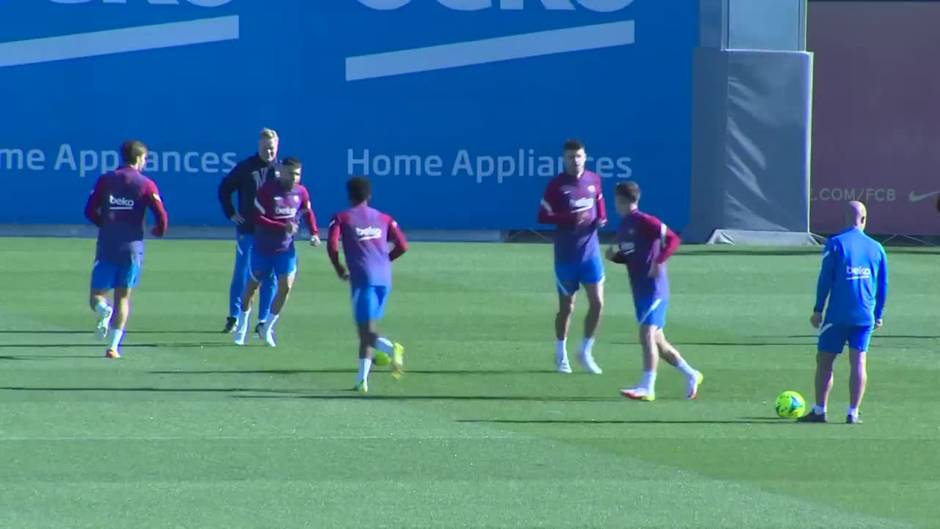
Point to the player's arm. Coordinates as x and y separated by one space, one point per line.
332 249
656 230
617 256
601 208
669 240
93 205
227 187
551 210
396 236
311 218
824 284
881 295
264 204
155 203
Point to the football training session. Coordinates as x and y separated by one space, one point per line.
647 264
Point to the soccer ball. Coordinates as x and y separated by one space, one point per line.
381 359
790 405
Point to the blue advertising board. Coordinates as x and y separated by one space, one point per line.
456 109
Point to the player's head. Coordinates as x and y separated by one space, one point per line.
289 172
626 197
134 154
267 144
359 190
856 215
575 157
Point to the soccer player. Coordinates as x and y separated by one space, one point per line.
644 245
279 206
573 201
854 279
245 179
365 233
117 205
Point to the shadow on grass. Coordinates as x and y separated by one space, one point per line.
741 420
340 370
91 331
131 346
269 393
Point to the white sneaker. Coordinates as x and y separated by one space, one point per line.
562 366
267 334
693 384
104 322
241 332
587 361
639 393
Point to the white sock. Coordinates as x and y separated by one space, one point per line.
273 321
244 317
586 346
561 349
101 308
819 410
853 411
365 364
116 336
686 369
649 380
384 344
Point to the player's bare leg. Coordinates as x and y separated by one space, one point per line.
858 378
285 283
367 336
824 363
98 301
562 323
646 389
122 309
595 296
241 327
671 355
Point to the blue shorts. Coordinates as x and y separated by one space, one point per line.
570 276
834 336
368 302
279 264
107 275
651 311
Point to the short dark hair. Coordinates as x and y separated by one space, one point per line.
629 190
359 189
290 161
573 145
131 150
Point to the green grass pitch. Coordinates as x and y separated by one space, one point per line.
189 431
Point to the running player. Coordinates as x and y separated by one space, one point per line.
573 201
644 245
365 233
117 205
279 206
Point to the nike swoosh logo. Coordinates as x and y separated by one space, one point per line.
917 197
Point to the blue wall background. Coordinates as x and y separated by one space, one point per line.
287 70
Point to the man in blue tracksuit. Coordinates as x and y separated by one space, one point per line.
854 278
245 179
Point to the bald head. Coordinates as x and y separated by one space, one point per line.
856 215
